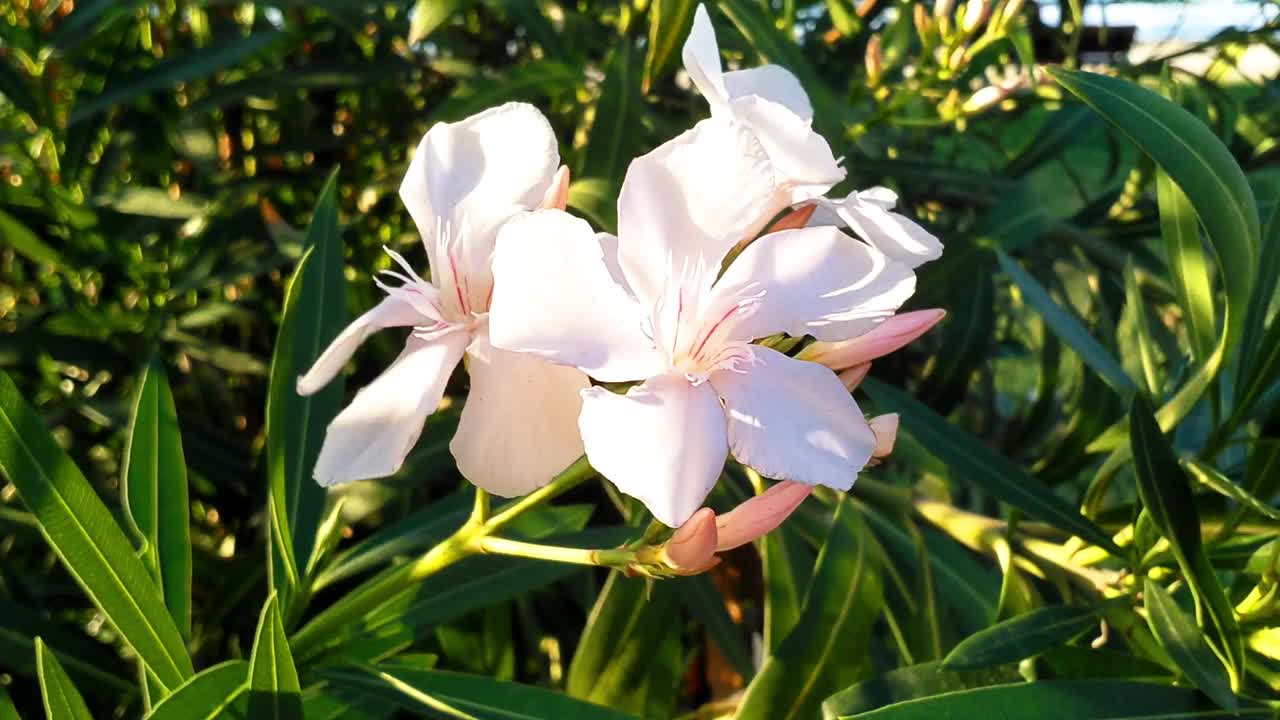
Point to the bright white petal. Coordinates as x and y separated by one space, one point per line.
694 197
868 215
771 82
519 427
701 55
816 281
663 443
553 297
371 437
793 420
391 312
477 173
801 157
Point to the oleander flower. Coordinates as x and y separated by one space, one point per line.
519 425
660 312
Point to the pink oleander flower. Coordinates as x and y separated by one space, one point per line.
519 426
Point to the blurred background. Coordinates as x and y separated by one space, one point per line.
159 162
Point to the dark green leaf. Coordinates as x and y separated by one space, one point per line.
25 242
616 131
274 692
706 604
89 662
1220 484
669 23
154 487
787 566
87 539
7 710
1024 636
910 683
206 696
1180 637
61 699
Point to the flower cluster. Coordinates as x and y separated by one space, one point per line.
540 305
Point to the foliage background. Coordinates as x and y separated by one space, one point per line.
160 164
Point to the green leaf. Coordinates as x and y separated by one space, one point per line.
14 89
61 699
1068 327
1187 265
1141 356
629 655
314 313
787 566
546 78
274 691
1075 699
910 683
1268 279
669 23
829 647
87 539
25 242
706 604
154 488
1179 636
153 202
450 694
189 66
1024 636
91 663
1166 495
616 132
7 710
428 15
208 695
595 198
986 469
1219 483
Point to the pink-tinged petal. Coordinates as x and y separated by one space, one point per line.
662 443
801 158
867 214
557 195
852 377
760 515
701 56
391 312
468 177
371 437
694 197
885 428
773 83
692 548
816 281
793 420
553 297
519 427
891 335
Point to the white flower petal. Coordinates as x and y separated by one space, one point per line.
663 443
371 437
553 297
694 197
771 82
476 173
519 427
801 157
816 281
391 312
868 215
701 55
793 420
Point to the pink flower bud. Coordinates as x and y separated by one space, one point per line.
760 514
852 377
885 338
885 428
692 549
557 195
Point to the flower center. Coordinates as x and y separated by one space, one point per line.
693 324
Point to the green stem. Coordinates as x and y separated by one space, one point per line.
615 557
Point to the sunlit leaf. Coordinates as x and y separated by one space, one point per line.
61 699
1024 636
208 695
274 692
1179 636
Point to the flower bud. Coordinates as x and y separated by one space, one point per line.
984 99
692 549
557 195
852 377
924 25
976 13
760 514
1009 14
942 8
874 61
885 428
885 338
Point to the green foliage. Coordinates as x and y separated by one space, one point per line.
1080 513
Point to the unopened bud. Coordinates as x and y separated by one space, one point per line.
924 25
942 8
853 377
888 336
760 515
976 13
692 548
874 61
557 194
885 428
984 99
1009 14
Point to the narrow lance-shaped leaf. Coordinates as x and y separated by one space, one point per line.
669 23
1187 265
7 710
1253 376
1024 636
154 480
314 314
87 539
1178 635
1220 484
209 695
1166 495
910 683
616 131
829 647
61 699
1145 363
274 692
706 604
